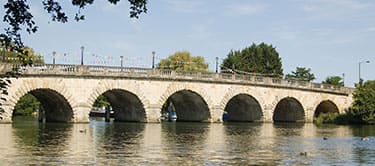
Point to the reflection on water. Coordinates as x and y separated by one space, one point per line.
27 142
34 142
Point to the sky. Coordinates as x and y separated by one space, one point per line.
329 36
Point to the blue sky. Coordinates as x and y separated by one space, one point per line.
328 36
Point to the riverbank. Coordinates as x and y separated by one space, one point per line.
349 118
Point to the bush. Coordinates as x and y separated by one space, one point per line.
326 118
350 117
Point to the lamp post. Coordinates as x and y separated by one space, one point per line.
359 69
153 59
82 49
3 51
343 79
121 61
3 54
217 64
53 57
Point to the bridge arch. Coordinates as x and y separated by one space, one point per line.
126 105
253 96
127 101
325 106
289 109
197 104
54 105
188 105
55 99
243 108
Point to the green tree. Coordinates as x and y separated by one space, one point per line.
262 58
302 74
363 109
28 56
334 80
183 61
18 16
27 105
101 101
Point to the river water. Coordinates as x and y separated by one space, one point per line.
26 142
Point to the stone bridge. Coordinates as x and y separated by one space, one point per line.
67 94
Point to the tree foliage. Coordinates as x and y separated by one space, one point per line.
27 105
101 101
183 61
301 74
262 58
334 80
363 108
29 57
19 18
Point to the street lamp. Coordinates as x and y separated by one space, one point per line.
53 57
82 49
217 64
153 59
359 70
3 51
343 79
121 61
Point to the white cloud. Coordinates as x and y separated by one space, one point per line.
245 9
367 30
333 5
201 32
185 6
323 9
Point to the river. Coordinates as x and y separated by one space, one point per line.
26 142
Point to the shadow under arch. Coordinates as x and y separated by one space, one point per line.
54 107
326 106
189 106
127 107
289 109
243 108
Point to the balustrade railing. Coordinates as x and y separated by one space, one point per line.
63 69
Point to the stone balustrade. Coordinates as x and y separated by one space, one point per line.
148 73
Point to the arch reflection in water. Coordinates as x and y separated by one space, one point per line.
243 108
325 107
289 109
53 106
250 143
38 140
183 143
127 106
188 105
123 136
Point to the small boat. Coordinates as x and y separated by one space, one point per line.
98 112
172 117
225 116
